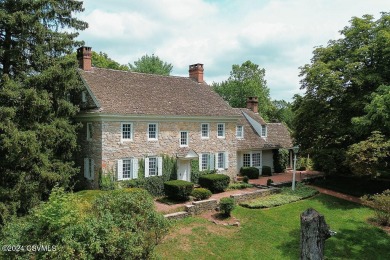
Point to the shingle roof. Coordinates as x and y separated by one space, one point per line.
124 93
278 135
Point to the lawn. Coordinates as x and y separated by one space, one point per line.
274 234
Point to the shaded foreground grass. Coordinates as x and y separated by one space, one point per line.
274 234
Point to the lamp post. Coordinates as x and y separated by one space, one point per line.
295 150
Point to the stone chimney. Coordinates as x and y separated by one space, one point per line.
252 103
196 72
84 56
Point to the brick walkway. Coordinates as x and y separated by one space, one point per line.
284 177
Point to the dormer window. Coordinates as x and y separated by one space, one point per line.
84 96
263 131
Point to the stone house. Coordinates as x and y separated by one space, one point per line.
128 116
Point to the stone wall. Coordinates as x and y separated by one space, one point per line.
254 194
199 207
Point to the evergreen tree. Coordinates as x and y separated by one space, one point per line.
37 135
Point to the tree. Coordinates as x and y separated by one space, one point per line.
37 134
339 83
152 65
370 156
245 81
283 112
101 60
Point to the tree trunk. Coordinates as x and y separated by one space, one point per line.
314 232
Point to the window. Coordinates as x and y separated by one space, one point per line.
256 159
126 132
84 96
153 166
205 161
247 160
263 131
239 131
221 160
89 168
127 169
221 130
204 130
89 131
152 132
252 159
183 138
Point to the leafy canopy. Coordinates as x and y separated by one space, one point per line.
37 134
339 84
152 65
246 80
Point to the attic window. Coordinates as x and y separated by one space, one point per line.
84 96
263 131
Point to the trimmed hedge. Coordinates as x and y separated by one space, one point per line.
214 182
250 172
266 171
201 194
226 206
178 189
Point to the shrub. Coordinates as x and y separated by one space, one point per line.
239 186
214 182
195 173
269 182
266 171
250 172
154 185
116 225
107 181
280 158
201 194
381 204
178 189
302 168
226 206
245 179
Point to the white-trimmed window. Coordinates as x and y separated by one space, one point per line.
222 160
252 159
152 131
89 131
246 160
204 130
240 131
89 168
127 168
263 131
126 132
153 166
183 138
221 130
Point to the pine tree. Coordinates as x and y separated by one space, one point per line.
37 134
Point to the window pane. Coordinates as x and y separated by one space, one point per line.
256 159
247 160
263 130
221 130
205 161
152 131
126 131
153 166
221 160
127 169
183 138
239 132
205 130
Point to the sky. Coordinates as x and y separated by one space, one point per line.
278 35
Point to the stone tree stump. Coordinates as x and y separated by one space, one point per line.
314 232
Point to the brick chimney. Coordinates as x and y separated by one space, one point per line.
84 56
196 72
252 103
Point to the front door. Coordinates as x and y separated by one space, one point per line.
184 170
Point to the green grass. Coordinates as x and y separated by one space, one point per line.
286 196
274 234
239 186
